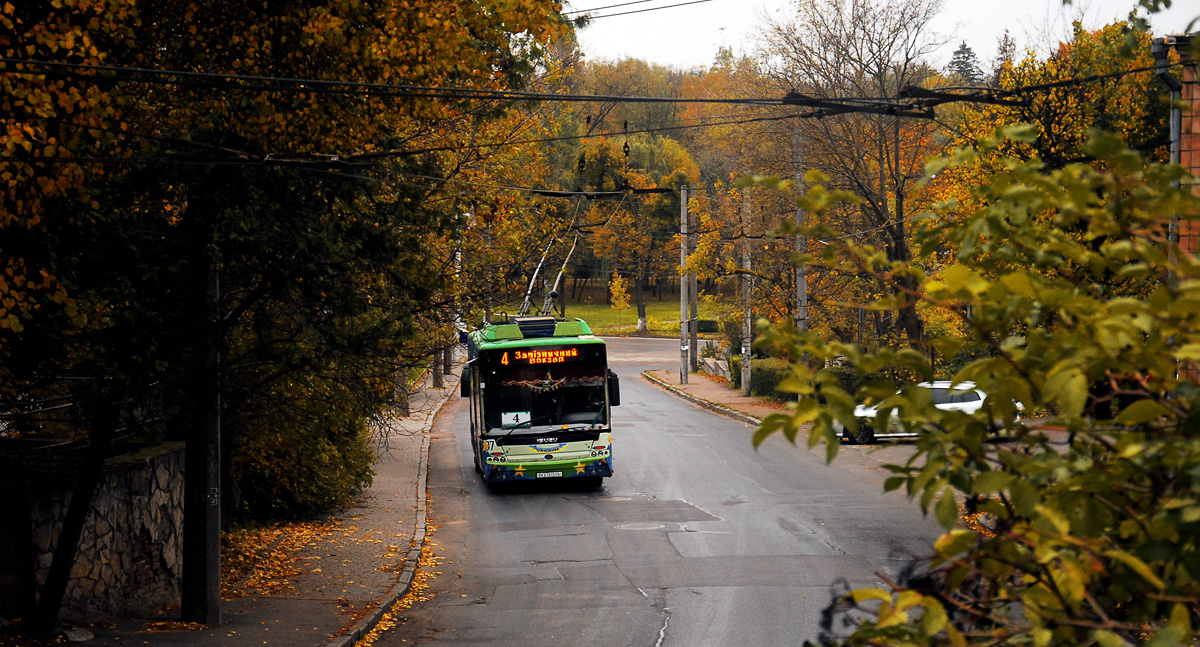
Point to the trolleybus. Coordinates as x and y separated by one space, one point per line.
541 401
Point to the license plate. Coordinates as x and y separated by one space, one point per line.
547 475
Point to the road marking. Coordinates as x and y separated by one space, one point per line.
639 526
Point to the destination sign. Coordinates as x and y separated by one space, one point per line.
539 356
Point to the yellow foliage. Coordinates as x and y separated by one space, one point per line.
620 294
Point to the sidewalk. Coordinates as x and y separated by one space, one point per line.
364 559
352 570
714 395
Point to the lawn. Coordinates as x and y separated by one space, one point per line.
662 316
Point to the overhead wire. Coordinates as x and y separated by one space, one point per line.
627 13
240 158
314 162
296 85
611 6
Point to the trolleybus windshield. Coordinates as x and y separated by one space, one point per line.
545 386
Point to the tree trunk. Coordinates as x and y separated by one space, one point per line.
639 287
439 380
65 551
402 404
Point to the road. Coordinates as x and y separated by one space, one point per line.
697 540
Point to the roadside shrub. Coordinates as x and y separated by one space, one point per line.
846 376
765 376
732 329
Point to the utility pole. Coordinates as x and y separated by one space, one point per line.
693 298
801 239
201 599
683 285
747 324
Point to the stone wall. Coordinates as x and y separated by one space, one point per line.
129 553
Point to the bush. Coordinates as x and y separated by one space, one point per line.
765 376
846 376
733 334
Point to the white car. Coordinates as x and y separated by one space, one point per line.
946 395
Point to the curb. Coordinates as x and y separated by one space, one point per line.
404 581
711 406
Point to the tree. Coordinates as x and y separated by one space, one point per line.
126 197
1065 111
965 65
856 48
1088 541
633 233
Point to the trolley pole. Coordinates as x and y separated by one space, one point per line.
683 285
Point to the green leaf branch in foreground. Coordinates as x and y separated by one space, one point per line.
1084 522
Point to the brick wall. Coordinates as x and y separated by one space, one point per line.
1189 148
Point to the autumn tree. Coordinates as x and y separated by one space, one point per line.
1066 110
130 190
627 78
859 49
632 229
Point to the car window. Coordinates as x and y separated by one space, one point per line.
969 396
940 396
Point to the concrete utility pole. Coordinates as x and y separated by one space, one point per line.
693 298
747 324
201 594
801 240
683 285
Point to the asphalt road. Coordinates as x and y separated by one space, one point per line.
697 540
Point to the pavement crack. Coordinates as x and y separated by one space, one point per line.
662 631
537 562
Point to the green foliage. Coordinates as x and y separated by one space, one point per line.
766 375
288 467
1068 277
965 65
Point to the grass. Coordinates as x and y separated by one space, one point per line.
662 318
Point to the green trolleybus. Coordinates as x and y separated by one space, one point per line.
541 401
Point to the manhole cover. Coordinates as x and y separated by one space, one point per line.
639 526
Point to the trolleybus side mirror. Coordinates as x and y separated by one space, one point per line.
464 383
614 389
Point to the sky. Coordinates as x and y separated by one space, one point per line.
686 37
